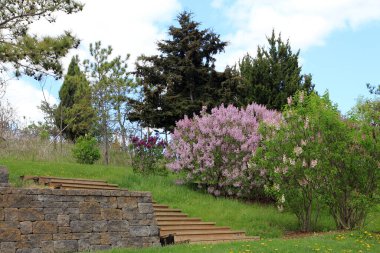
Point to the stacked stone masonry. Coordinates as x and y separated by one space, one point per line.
57 221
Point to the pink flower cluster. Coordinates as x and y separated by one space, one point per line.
214 149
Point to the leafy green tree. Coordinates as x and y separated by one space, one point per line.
29 54
75 115
110 85
273 75
181 79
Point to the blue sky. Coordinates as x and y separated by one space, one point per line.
338 39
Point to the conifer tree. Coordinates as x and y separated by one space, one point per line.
273 75
75 115
181 79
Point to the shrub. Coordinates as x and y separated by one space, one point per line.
86 150
147 154
316 158
213 149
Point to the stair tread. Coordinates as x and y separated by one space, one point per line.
208 233
177 219
208 227
184 223
166 210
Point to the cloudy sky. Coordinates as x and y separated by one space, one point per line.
338 39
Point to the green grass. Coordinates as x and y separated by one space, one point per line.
255 219
343 242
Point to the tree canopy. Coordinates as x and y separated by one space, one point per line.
273 75
23 53
75 115
181 79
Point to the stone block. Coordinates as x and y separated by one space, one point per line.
84 245
139 231
100 226
112 214
145 208
127 202
65 246
26 227
47 246
81 226
1 214
9 234
18 200
44 227
64 230
30 214
63 220
11 214
89 207
90 216
117 226
51 217
8 247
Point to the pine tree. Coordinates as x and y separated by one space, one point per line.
75 115
29 54
181 79
273 75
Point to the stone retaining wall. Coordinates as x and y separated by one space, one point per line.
52 220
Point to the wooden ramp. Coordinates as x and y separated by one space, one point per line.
172 222
194 230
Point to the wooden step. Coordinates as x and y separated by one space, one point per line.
213 241
160 206
208 237
169 214
166 210
158 219
187 230
77 186
184 223
27 177
82 182
189 226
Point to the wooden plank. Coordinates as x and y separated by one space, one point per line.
77 186
27 177
184 223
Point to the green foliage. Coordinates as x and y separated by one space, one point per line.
29 54
318 158
181 78
110 85
86 150
272 76
147 155
75 115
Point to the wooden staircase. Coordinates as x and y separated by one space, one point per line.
172 222
194 230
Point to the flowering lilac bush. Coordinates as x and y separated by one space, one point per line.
315 158
213 149
147 154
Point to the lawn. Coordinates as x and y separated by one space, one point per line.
256 219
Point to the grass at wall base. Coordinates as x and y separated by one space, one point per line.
255 219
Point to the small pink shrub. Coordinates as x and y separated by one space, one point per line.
213 150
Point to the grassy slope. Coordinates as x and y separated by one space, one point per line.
255 219
347 242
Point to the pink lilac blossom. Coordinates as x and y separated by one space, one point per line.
216 147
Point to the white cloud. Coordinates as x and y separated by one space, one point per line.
305 23
25 98
130 27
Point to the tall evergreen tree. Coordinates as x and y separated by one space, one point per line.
273 75
75 115
181 79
